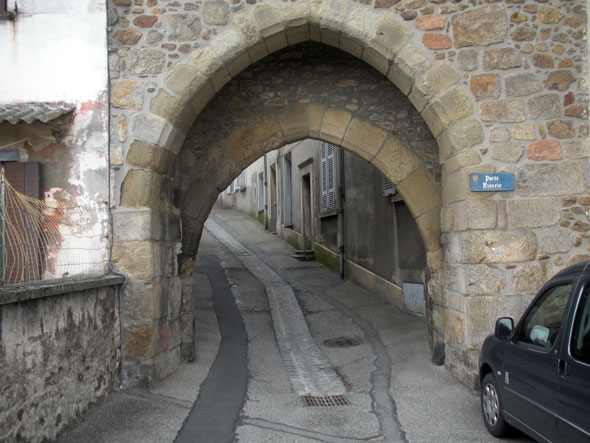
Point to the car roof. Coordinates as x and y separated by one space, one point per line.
578 268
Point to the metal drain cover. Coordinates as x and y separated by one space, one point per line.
342 342
325 400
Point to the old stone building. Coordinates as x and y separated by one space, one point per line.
201 89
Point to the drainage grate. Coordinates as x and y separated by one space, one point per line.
342 342
325 400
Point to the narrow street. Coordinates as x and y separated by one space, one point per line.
378 362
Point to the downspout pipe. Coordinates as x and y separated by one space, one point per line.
265 195
341 216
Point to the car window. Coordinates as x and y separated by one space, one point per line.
542 323
580 344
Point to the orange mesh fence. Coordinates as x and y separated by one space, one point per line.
53 239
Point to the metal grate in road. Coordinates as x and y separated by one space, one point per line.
325 400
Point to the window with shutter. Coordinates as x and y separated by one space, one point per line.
328 176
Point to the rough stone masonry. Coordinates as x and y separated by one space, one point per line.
501 87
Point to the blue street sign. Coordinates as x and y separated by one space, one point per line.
492 182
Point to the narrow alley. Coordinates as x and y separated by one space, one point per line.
368 358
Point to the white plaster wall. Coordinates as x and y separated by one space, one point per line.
55 50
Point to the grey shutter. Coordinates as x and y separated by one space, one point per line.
388 187
328 179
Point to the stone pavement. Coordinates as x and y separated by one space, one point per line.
395 392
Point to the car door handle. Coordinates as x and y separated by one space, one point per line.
563 368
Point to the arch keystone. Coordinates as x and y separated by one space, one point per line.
293 122
364 138
419 193
396 161
334 126
267 132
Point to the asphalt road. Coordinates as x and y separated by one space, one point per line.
241 388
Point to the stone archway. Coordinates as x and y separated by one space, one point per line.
441 60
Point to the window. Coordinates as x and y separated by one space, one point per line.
327 179
542 323
580 345
3 5
261 192
287 189
240 182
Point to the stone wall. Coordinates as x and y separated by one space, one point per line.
502 87
59 355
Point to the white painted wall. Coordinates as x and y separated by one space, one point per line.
55 50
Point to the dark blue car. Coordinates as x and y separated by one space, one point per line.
535 376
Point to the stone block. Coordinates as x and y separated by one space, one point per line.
141 300
462 135
475 247
136 259
298 34
561 129
469 214
267 132
238 64
576 148
503 111
294 15
377 60
294 123
549 15
183 27
550 179
200 99
316 116
244 23
555 240
127 94
141 188
467 59
127 36
436 80
258 51
360 24
518 85
134 224
334 125
523 132
533 213
276 42
268 20
575 259
363 138
506 152
184 80
485 86
206 61
528 279
329 37
396 161
437 42
242 147
467 157
332 14
501 58
431 22
140 341
145 155
420 193
429 226
174 298
481 314
228 46
480 26
220 78
449 108
389 36
216 12
544 150
180 114
479 279
544 106
559 80
435 262
146 61
409 65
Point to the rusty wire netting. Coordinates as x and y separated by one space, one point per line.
52 239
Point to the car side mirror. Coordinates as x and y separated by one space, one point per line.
504 328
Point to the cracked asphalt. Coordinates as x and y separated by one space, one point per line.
395 393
